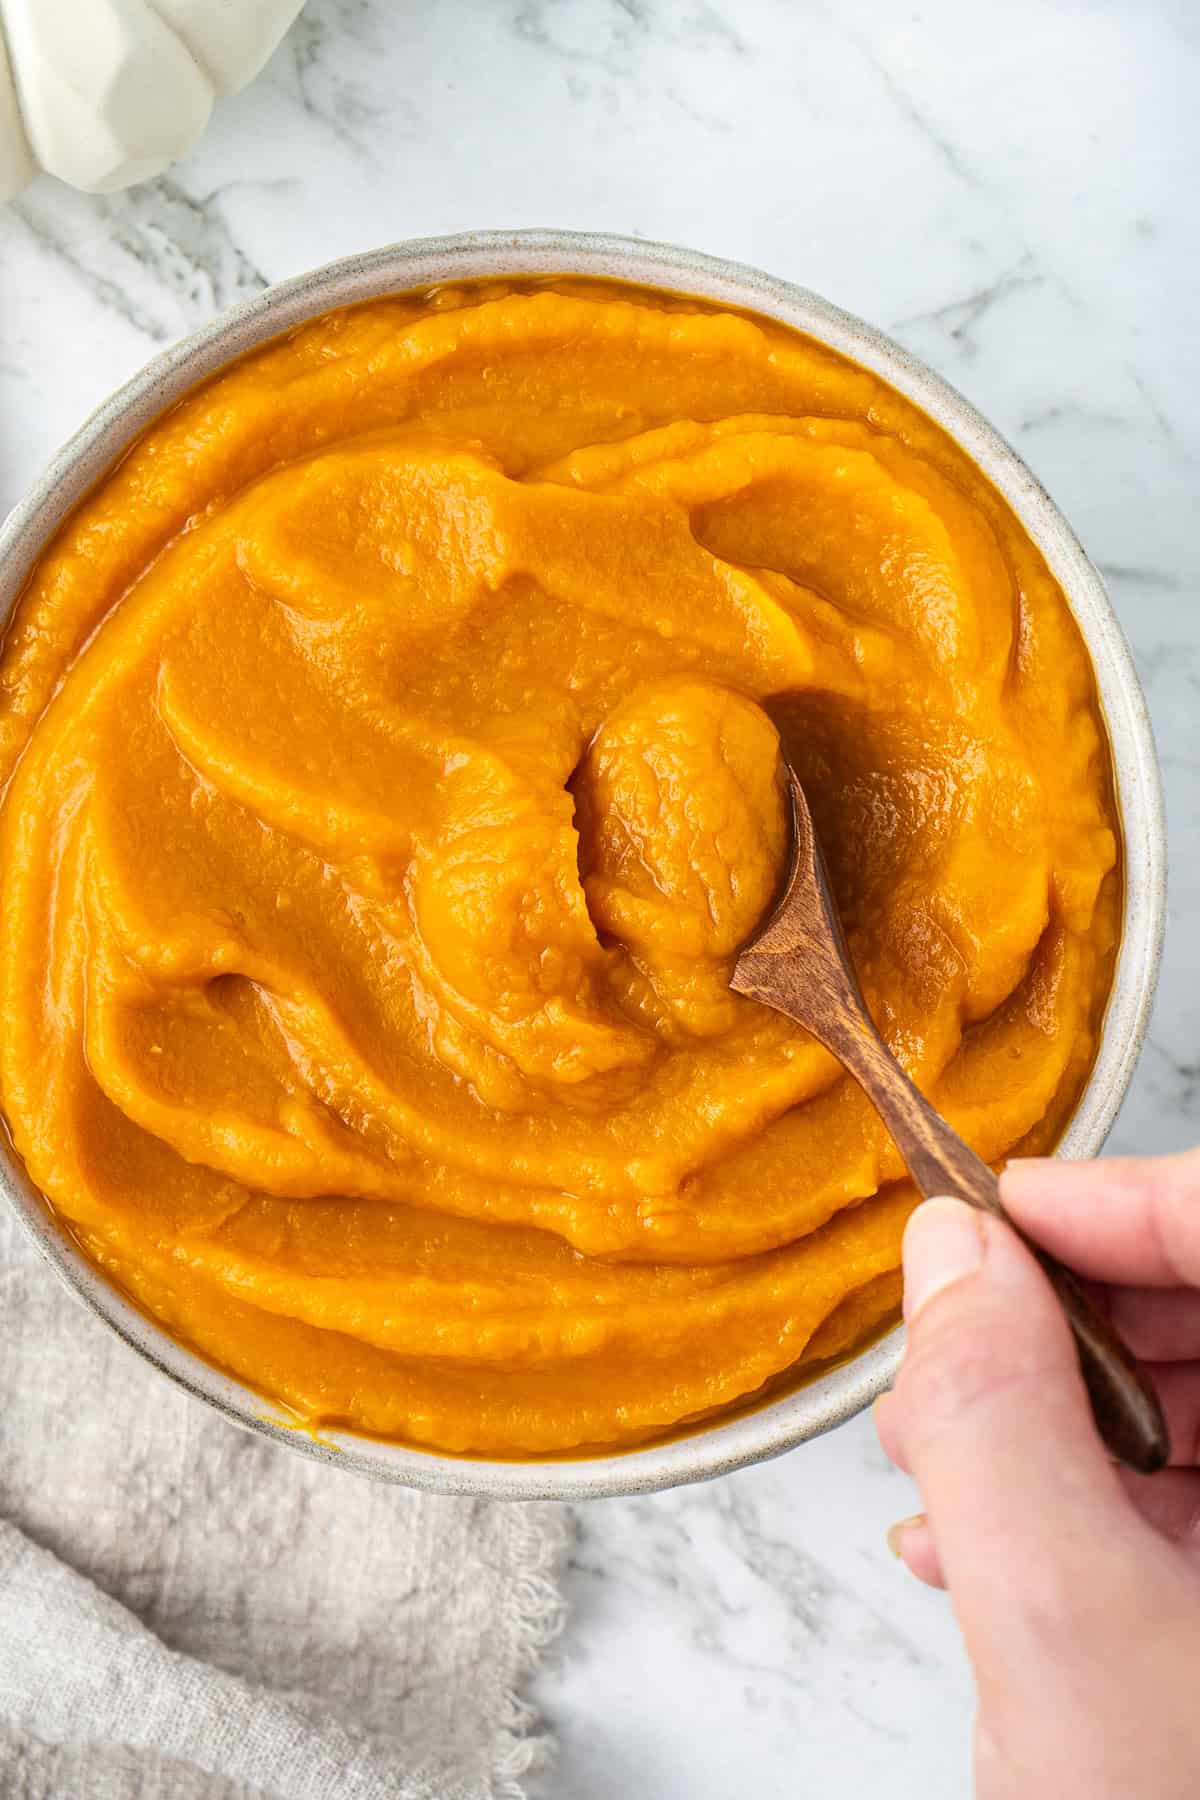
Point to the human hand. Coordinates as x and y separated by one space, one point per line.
1076 1584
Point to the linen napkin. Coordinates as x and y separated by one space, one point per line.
188 1612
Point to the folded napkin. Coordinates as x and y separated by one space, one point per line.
188 1612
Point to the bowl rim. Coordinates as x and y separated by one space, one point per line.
816 1407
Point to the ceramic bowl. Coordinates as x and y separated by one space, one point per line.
833 1397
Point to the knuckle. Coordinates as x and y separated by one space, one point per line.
1173 1208
1061 1622
1160 1194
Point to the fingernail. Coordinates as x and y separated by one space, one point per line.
895 1533
1029 1168
943 1242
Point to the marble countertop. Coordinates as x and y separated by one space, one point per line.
1009 190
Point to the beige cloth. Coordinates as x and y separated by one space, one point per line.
188 1612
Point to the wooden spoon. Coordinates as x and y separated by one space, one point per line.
798 962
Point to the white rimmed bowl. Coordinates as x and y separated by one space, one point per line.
819 1405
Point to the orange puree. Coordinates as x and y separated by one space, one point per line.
391 760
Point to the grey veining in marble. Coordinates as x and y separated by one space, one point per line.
1009 189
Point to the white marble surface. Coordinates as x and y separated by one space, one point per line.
1009 189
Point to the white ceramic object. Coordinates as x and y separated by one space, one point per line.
819 1405
103 93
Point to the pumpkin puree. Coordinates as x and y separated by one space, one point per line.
390 745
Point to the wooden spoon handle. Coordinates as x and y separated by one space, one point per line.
1125 1406
799 963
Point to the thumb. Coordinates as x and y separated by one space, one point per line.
1028 1514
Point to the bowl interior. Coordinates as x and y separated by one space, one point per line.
837 1395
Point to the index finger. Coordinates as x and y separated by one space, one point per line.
1133 1220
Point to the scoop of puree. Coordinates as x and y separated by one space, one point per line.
391 746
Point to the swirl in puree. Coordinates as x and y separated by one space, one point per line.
391 746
